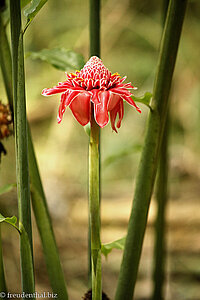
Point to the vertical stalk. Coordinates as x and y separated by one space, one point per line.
5 62
94 209
20 122
3 52
161 199
43 220
2 275
38 198
95 28
94 256
150 154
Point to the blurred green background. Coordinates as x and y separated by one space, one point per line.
130 37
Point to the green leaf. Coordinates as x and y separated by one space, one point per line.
33 9
60 58
7 188
145 99
118 244
10 220
24 3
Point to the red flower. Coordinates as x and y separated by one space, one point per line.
94 83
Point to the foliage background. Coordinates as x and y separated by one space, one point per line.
131 33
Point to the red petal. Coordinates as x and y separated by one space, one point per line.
95 98
54 90
61 88
80 108
101 109
121 113
129 86
113 115
66 99
122 79
121 91
61 109
119 108
113 101
131 102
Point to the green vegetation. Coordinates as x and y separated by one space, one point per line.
130 37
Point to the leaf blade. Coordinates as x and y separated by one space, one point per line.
60 58
145 99
33 9
10 220
118 244
24 3
7 188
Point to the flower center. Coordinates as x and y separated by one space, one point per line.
94 74
95 69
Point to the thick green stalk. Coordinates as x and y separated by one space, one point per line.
161 199
150 154
37 193
5 62
94 208
94 51
95 28
2 275
6 71
44 226
20 124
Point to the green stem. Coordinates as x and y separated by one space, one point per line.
150 154
20 122
2 275
95 28
5 62
38 198
94 209
94 51
44 226
7 77
161 199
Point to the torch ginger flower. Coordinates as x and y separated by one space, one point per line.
94 84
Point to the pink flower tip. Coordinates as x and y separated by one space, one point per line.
45 92
59 119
